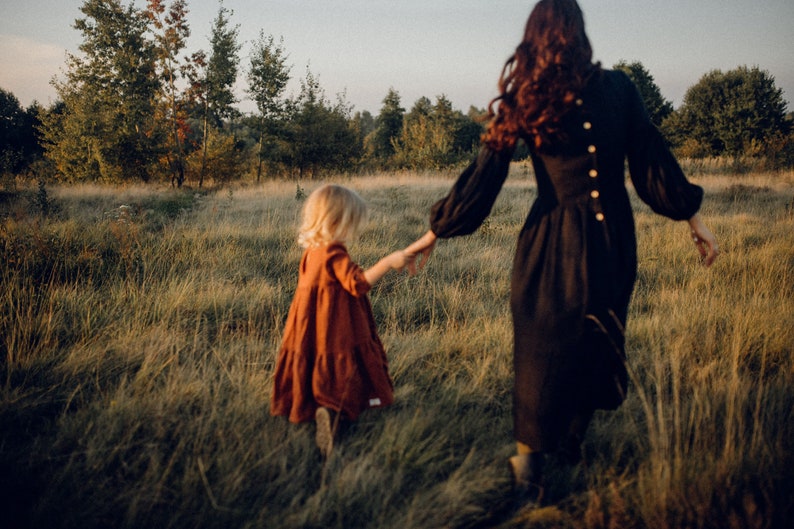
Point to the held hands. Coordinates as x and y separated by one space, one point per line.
704 240
398 260
394 261
422 246
403 259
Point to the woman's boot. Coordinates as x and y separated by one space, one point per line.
527 472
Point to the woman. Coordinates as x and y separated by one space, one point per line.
575 263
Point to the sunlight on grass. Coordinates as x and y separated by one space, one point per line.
140 325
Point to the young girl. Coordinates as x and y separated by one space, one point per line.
331 364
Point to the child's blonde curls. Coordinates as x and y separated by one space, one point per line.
331 213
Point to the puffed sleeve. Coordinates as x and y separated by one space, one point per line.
350 275
655 173
471 198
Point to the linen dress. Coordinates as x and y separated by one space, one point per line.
330 354
576 260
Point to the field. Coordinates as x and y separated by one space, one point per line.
139 328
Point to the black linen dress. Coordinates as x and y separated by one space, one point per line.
576 260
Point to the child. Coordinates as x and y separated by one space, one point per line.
331 364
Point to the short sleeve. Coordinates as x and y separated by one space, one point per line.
655 173
471 198
350 275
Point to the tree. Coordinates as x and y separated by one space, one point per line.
267 79
222 68
389 124
10 130
423 108
363 124
219 76
657 106
444 114
733 113
171 31
320 135
107 129
427 137
19 144
471 129
435 135
466 131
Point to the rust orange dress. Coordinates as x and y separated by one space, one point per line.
330 354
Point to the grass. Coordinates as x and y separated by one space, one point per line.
139 328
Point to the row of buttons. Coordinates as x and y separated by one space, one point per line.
593 173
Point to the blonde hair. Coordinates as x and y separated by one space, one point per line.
331 213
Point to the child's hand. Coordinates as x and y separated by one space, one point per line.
394 261
423 246
398 260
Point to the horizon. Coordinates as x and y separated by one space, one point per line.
364 48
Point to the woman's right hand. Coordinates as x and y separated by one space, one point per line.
422 246
704 240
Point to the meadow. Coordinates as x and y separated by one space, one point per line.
139 328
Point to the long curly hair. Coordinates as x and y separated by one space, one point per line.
541 81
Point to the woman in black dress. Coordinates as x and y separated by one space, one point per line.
576 261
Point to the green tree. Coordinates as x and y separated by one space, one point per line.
214 79
267 80
363 125
19 143
222 68
435 135
657 106
171 31
388 127
423 108
470 129
32 149
320 135
444 114
107 129
427 137
733 113
456 124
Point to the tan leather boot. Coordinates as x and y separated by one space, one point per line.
527 472
326 422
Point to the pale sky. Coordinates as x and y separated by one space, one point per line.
429 48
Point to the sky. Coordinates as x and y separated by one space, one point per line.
455 48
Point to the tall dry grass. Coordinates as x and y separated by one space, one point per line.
139 330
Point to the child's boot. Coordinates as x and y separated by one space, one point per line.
326 421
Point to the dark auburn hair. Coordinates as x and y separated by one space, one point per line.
541 81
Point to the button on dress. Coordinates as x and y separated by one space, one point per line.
576 260
330 354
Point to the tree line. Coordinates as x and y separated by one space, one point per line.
137 105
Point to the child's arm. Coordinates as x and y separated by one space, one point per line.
394 261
